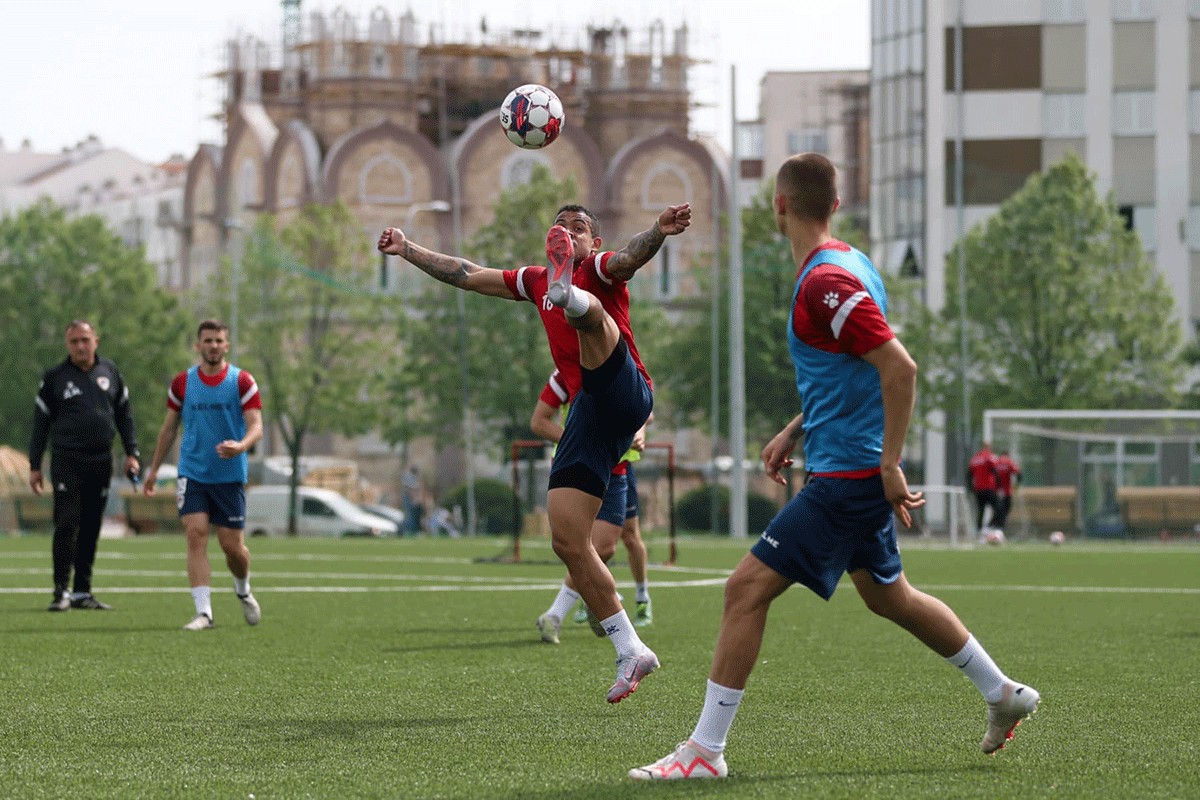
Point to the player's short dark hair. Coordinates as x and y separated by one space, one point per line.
808 183
211 325
593 223
79 323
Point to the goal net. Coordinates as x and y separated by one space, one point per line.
1101 473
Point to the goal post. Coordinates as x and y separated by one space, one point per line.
1104 473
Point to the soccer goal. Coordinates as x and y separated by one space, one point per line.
1101 473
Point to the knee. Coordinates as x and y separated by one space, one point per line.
889 604
743 595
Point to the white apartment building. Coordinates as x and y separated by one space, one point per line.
1116 81
142 203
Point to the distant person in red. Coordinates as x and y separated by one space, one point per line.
1008 475
982 469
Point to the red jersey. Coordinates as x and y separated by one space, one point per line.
983 471
247 388
1006 469
530 283
835 313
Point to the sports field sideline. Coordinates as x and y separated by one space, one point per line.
412 668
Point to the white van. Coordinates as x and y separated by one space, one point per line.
319 512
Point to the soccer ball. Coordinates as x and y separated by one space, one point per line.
994 536
532 116
1057 537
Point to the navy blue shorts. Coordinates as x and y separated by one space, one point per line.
631 495
614 403
612 510
225 503
834 526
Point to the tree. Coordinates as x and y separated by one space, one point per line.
1064 310
317 338
768 279
54 269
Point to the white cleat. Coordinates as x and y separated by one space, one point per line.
250 609
1019 702
200 622
687 761
549 626
561 252
630 672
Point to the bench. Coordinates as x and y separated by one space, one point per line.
157 514
1042 509
1160 509
34 512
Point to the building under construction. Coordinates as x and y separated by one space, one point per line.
399 121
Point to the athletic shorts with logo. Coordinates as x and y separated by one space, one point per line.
225 503
833 526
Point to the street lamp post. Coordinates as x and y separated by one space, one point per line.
235 262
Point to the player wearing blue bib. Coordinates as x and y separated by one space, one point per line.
857 383
220 410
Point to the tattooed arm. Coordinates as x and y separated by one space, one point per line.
458 272
641 248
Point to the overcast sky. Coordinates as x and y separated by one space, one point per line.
133 72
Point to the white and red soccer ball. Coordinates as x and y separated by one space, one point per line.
532 116
1057 537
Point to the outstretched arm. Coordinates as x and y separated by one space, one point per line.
458 272
641 248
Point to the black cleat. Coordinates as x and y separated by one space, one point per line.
88 601
60 604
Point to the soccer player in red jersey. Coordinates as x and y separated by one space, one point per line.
982 469
584 306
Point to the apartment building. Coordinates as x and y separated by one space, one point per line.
1116 81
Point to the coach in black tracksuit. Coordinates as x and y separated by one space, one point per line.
81 405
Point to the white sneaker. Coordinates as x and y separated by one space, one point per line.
199 622
630 672
1018 702
549 625
250 609
560 250
687 761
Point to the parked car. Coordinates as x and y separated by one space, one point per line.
320 512
387 512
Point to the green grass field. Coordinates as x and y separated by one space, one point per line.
411 669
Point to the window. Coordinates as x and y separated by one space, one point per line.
1000 57
993 169
312 507
1069 11
1133 114
1063 115
809 140
1129 10
667 279
518 169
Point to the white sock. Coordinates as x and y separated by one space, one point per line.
241 585
622 634
577 303
642 593
562 605
977 665
200 596
720 707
